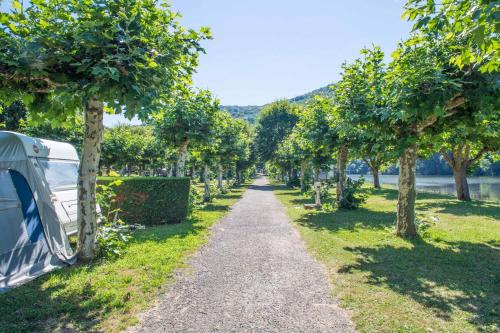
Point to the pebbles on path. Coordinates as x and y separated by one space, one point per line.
253 275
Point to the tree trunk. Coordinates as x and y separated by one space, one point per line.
303 165
181 158
87 177
206 177
405 224
460 175
375 174
238 176
316 175
341 167
459 160
220 172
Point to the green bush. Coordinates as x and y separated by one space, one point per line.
151 200
354 195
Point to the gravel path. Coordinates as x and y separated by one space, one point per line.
254 275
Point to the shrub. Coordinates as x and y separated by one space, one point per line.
152 200
354 195
112 233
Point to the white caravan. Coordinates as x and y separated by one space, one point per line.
38 197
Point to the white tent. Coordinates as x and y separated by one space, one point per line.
37 206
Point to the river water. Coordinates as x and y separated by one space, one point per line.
481 188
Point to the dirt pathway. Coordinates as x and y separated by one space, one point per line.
254 275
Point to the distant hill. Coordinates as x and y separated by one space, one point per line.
250 112
302 99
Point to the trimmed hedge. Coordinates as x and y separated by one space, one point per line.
151 200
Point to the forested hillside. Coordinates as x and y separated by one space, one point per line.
250 112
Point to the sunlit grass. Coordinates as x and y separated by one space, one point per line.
108 294
447 280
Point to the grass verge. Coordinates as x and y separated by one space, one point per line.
106 295
446 280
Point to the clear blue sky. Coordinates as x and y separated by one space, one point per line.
268 49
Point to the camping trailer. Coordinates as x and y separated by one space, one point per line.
38 196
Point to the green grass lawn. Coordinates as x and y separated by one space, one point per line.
447 280
107 295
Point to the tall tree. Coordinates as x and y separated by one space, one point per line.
425 92
274 124
464 142
187 120
69 55
362 91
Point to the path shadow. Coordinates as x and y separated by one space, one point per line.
266 188
458 275
51 302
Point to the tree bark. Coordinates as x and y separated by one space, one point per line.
206 177
316 175
341 169
303 165
405 224
461 185
459 160
375 174
220 173
181 159
87 178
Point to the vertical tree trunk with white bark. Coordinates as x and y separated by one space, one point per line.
87 178
206 177
405 224
181 158
303 165
341 169
220 173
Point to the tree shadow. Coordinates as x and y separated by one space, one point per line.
461 208
266 188
360 218
51 302
455 275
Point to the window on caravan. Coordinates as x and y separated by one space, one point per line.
59 173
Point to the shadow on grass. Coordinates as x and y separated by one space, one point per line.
459 275
442 276
446 204
70 301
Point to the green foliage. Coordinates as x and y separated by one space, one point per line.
127 54
70 131
474 22
152 200
354 195
274 124
189 117
112 234
325 92
249 112
130 145
13 117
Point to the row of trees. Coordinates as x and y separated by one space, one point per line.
161 146
421 102
64 58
